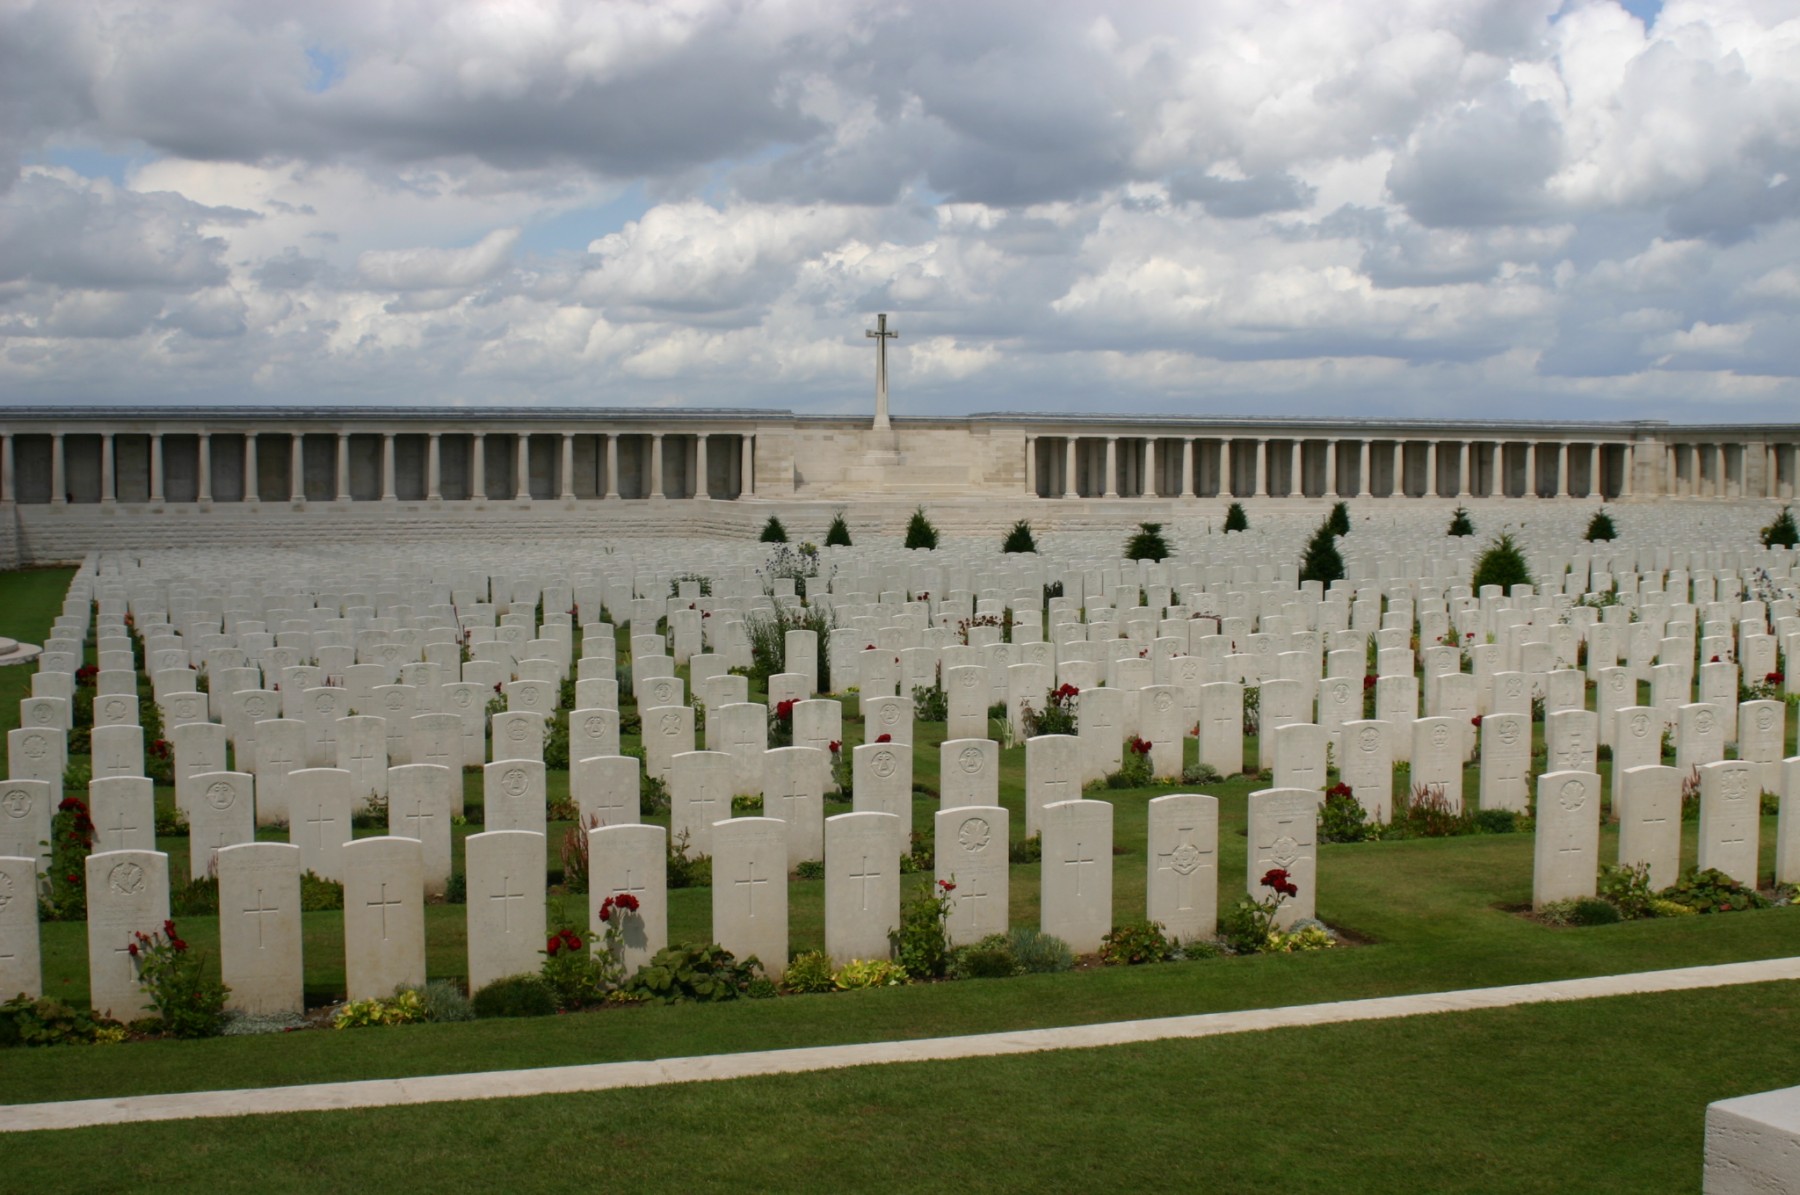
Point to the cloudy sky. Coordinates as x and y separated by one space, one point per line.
1387 207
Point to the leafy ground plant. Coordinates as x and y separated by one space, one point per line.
190 1002
1136 943
702 972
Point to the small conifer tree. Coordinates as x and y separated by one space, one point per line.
1459 522
838 534
919 531
1600 528
1339 522
1322 562
1781 533
1235 518
1147 543
1502 564
1019 539
773 532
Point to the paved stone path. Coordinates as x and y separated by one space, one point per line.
430 1089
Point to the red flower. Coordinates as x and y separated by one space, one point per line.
884 738
836 746
1277 879
1475 721
132 950
606 909
169 928
1340 789
72 878
784 710
1141 746
1714 660
1369 680
1774 678
947 885
627 901
553 945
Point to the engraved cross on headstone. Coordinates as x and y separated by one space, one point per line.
259 912
1078 861
119 828
384 904
415 820
320 820
505 898
749 885
975 909
1182 861
865 875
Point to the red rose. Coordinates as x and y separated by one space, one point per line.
885 738
836 746
606 909
132 950
628 902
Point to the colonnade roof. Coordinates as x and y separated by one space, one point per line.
1032 422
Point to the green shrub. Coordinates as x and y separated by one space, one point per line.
1502 564
869 973
1343 818
773 532
653 794
444 1001
71 842
1712 891
1147 543
405 1007
515 996
1060 713
1038 953
1600 528
1235 518
809 869
1781 533
685 870
1019 539
1321 561
919 531
1339 519
990 958
921 944
1200 948
456 890
1200 773
703 973
1026 850
761 988
838 534
930 703
1590 911
318 894
46 1021
810 971
1459 522
1627 889
1135 943
195 898
1500 821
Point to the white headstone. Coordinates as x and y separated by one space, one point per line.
384 916
260 951
1076 894
513 796
222 814
630 860
128 894
421 797
794 793
883 784
21 954
1182 890
1649 811
319 808
749 890
1566 852
1282 835
1730 819
505 913
606 789
972 854
862 886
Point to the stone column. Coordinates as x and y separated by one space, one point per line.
203 466
156 467
1031 486
1261 461
1431 470
1465 461
252 487
59 493
522 467
1562 468
1362 470
700 463
568 463
390 487
478 467
1185 480
1331 478
612 465
297 467
1068 468
1627 467
1110 486
343 466
656 463
434 467
1531 469
109 482
1296 470
7 489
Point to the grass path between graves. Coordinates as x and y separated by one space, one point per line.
1596 1095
